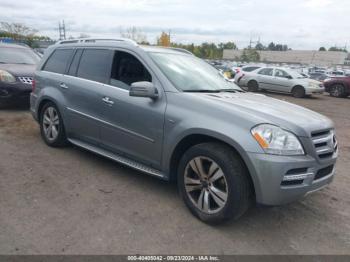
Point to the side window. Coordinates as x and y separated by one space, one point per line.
126 70
58 61
95 65
250 69
280 73
266 71
74 65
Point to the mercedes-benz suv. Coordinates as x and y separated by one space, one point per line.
168 113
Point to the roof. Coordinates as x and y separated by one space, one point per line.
113 42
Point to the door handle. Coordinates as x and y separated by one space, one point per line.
107 100
64 86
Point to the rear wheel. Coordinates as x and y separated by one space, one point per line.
337 90
51 126
253 86
298 92
214 183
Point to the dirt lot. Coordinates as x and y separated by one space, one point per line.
69 201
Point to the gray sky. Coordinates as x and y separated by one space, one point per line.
302 24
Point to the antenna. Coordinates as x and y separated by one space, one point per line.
62 30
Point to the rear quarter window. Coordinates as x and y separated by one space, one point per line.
58 61
95 65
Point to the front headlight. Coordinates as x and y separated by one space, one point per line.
311 84
6 77
276 141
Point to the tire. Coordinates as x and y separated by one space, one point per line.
298 92
51 126
231 177
253 86
337 90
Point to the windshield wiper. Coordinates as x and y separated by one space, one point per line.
233 90
201 91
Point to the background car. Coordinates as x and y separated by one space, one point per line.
338 86
282 80
240 72
319 76
17 65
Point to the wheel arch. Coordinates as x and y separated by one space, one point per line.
190 140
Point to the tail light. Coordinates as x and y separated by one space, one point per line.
33 85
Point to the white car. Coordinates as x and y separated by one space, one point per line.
282 80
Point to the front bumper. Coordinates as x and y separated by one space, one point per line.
14 93
314 90
284 179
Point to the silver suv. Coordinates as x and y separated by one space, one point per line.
169 114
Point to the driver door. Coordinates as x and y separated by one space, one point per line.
133 125
283 81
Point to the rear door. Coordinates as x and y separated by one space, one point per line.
265 78
132 125
282 82
88 72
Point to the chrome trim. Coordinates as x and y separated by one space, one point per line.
297 177
95 82
28 80
118 158
112 125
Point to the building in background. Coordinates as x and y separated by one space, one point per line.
304 57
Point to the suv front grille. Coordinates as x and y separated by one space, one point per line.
26 79
325 143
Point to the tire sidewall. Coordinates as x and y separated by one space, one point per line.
340 93
298 92
252 86
233 181
61 138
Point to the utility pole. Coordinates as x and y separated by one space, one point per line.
62 30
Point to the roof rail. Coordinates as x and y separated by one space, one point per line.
181 50
93 40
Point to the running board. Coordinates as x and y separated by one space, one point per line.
118 158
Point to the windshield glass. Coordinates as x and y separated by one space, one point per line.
10 55
191 74
295 74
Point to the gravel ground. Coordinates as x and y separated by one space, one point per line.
69 201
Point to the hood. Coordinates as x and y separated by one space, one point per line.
264 109
19 69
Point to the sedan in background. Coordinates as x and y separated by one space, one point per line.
282 80
17 65
318 76
241 72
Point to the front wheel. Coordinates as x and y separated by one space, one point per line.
337 91
51 126
214 183
298 92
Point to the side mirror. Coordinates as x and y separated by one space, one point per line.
289 77
143 89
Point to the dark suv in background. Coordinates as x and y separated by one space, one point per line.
17 65
338 86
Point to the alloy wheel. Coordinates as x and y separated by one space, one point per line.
51 123
206 185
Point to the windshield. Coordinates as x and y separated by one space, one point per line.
10 55
191 74
295 74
